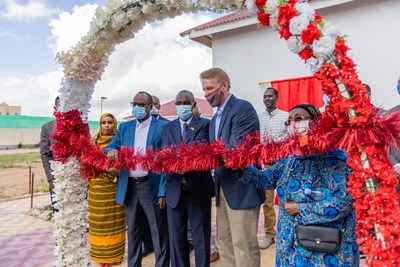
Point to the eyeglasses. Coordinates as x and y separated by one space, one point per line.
134 104
296 119
107 122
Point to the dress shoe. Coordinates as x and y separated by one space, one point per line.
266 242
145 252
190 245
214 256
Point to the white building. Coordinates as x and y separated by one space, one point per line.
251 55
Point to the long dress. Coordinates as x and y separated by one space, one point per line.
107 226
290 177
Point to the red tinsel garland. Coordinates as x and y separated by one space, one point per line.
350 123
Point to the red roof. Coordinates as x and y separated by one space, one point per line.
168 109
219 21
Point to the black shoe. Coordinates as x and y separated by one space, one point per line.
145 252
190 247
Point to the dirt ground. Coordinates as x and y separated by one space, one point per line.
14 182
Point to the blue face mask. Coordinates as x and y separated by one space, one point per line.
184 111
398 88
139 112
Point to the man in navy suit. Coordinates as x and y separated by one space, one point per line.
142 192
188 195
238 205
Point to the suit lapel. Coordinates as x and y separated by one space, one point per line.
211 131
225 113
152 130
176 131
192 129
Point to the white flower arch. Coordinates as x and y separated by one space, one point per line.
316 41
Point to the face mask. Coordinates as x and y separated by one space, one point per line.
398 88
154 111
326 99
184 111
215 97
301 127
139 112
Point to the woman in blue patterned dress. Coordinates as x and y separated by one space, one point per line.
291 176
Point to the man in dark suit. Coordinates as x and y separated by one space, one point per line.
188 195
46 154
238 204
142 192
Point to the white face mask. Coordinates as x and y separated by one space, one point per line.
300 128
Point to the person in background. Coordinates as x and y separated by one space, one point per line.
155 111
142 192
238 206
196 111
107 226
272 129
188 195
46 154
299 181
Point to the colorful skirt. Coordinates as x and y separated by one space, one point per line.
107 226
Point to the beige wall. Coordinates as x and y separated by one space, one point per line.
6 109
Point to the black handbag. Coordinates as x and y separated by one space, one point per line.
318 238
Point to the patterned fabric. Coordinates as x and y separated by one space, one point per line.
107 225
272 125
290 177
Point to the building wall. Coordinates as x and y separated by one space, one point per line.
6 109
251 55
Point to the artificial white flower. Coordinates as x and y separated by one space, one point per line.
294 44
314 64
251 7
272 6
298 24
324 46
306 10
329 29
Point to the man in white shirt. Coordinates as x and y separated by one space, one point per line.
272 129
142 192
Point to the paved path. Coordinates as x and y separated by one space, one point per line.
29 241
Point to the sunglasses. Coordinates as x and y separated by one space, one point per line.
134 104
107 122
296 119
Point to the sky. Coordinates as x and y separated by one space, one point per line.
158 60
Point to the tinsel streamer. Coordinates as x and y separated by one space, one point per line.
72 135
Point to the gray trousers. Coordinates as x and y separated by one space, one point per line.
138 207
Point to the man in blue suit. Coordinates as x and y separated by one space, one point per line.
189 194
238 205
142 192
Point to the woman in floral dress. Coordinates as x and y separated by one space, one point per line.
291 176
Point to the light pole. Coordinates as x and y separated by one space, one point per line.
101 104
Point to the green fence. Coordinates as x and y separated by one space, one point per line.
31 122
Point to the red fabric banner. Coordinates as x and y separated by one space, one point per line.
298 91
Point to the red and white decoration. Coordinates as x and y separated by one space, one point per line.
350 122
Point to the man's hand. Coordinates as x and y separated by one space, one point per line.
113 171
112 154
292 208
161 202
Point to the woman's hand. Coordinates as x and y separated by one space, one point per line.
292 208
